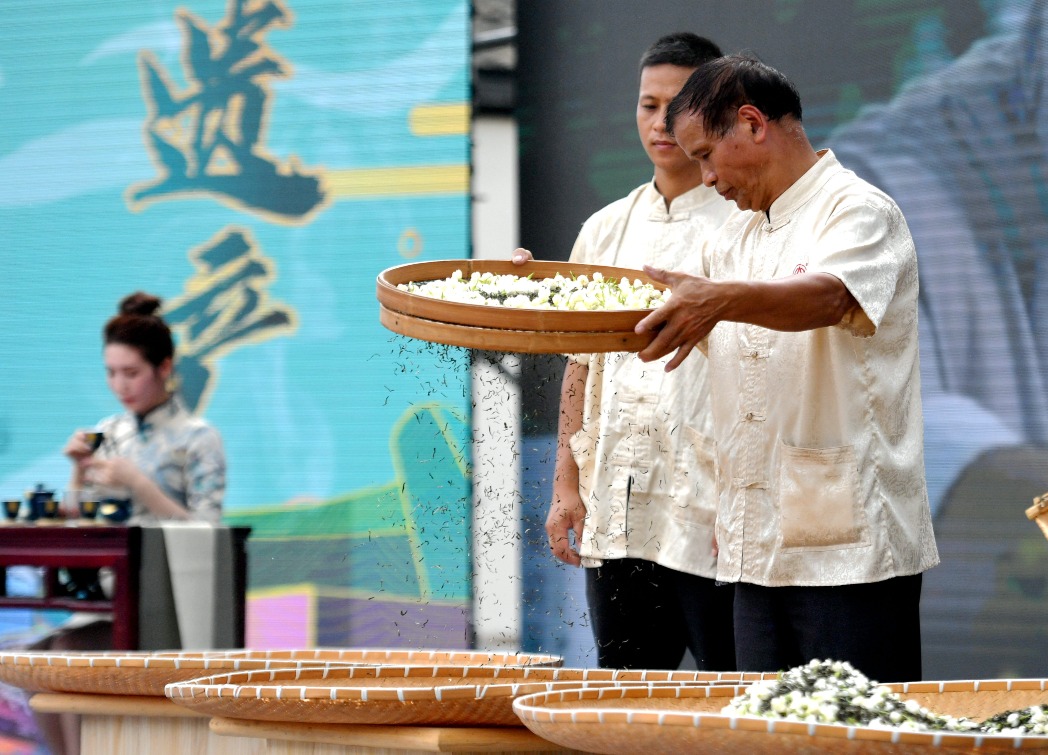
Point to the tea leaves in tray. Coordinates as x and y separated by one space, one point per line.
834 692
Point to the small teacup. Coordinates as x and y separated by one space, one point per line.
88 509
12 508
94 439
49 509
116 510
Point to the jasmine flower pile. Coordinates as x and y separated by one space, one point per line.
578 293
1032 720
833 692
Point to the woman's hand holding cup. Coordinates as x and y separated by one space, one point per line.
82 444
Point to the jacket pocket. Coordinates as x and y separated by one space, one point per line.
818 496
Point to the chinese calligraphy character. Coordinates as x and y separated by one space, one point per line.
208 138
225 306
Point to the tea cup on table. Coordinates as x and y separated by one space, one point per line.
88 509
115 510
82 503
48 510
12 508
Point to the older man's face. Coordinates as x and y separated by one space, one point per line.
731 164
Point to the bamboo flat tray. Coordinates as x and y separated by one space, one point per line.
111 673
434 696
671 720
385 656
535 331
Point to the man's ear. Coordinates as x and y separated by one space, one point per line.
752 120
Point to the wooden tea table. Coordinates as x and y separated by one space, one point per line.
132 725
177 585
376 739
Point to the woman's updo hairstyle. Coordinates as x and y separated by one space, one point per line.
138 325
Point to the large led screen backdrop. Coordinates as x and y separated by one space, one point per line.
256 163
943 105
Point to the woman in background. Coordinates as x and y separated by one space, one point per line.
168 463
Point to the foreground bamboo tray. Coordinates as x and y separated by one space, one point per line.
110 673
409 695
535 331
385 656
662 719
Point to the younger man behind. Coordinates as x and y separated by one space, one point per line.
634 478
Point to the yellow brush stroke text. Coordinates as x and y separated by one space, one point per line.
384 182
439 120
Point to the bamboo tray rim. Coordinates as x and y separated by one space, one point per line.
534 712
478 314
478 681
526 330
470 700
236 659
517 341
382 656
147 673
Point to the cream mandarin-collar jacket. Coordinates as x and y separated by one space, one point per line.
819 434
644 452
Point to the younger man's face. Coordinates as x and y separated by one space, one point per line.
658 86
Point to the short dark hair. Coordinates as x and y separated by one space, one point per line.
138 325
720 87
681 48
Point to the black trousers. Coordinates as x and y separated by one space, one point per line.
645 616
876 627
